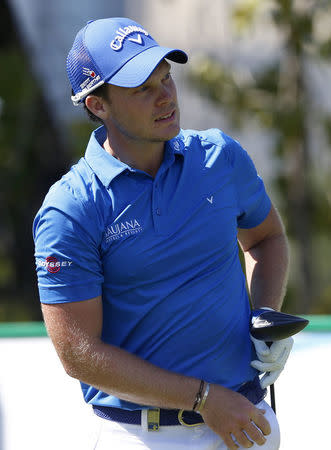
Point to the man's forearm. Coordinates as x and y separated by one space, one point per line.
75 329
126 376
267 266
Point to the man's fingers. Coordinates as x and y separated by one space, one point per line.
278 347
229 442
255 434
258 365
261 347
242 439
277 365
262 423
252 433
269 378
235 419
273 354
267 367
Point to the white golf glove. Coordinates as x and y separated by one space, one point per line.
271 360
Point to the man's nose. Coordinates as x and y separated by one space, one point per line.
164 95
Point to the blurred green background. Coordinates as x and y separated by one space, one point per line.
33 155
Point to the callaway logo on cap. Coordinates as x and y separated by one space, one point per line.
122 33
117 51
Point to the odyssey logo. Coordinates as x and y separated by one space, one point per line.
123 33
52 264
122 229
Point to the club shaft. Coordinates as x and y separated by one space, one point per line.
272 397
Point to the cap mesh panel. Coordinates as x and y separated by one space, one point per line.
79 59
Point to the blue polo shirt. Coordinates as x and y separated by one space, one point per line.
161 251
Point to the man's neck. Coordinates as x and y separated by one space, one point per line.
145 156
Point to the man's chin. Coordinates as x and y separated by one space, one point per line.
170 134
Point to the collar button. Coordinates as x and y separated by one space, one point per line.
176 145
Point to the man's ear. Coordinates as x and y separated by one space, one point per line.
98 106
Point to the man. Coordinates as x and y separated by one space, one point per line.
140 281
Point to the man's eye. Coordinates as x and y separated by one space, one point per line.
168 76
143 89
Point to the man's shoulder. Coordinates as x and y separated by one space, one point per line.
74 202
210 141
211 136
73 191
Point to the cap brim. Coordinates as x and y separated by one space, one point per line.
136 71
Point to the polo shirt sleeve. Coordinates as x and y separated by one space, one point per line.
253 201
67 255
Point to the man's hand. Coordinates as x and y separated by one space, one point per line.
234 418
271 359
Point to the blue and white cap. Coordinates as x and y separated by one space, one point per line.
117 51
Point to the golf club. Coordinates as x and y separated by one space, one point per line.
269 326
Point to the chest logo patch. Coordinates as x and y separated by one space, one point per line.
122 229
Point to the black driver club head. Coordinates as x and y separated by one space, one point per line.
267 325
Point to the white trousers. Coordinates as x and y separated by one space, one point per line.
120 436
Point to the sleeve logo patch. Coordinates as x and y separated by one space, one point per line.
52 264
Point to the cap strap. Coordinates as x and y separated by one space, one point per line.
76 99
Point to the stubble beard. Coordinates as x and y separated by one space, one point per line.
147 139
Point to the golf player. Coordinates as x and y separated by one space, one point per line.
140 281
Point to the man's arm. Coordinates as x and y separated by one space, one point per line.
75 329
267 259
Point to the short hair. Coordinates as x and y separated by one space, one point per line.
101 91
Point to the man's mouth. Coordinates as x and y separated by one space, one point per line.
166 117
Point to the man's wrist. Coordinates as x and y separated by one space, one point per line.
198 397
204 398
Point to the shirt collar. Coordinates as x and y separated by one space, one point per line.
105 166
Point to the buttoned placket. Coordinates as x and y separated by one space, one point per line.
158 207
156 203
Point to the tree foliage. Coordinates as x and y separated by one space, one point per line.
33 154
31 158
279 96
